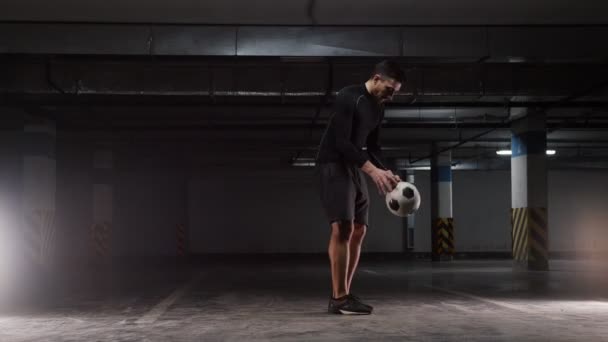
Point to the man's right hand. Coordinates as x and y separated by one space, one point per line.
385 180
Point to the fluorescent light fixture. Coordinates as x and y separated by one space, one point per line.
508 152
303 162
420 168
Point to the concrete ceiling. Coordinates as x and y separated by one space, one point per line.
445 101
306 12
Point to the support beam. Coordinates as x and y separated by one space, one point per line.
468 43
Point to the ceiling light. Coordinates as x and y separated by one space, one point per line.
303 162
508 152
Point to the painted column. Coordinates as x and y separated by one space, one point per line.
39 193
529 192
103 204
410 220
442 224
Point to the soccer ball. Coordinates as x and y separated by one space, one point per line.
404 200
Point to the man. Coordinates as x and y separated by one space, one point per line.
341 165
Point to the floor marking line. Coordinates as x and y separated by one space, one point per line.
482 299
159 309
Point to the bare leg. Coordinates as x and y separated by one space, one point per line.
338 251
355 251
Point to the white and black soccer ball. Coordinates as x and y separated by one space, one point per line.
404 200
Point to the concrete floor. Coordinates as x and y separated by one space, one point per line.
285 300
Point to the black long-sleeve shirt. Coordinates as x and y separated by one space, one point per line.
355 124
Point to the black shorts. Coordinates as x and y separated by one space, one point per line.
343 191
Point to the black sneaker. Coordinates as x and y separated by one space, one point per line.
354 297
347 306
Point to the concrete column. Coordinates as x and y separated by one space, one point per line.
103 204
39 193
182 231
410 220
442 233
529 192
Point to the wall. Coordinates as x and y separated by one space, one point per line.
245 208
